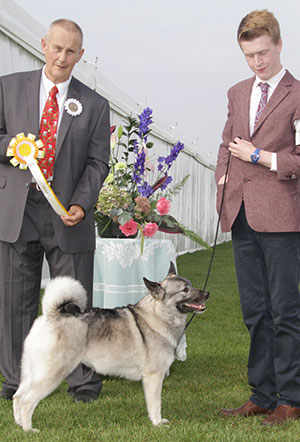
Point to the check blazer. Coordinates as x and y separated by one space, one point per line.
81 162
272 199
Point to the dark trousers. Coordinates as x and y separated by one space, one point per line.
267 268
20 281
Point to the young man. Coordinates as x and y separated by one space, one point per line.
262 209
29 227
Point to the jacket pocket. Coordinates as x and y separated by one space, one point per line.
3 180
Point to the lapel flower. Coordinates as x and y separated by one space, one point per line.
73 107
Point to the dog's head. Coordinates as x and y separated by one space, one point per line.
175 291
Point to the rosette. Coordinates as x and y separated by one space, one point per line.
25 152
73 107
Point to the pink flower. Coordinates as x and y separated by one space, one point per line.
143 204
129 228
150 229
163 206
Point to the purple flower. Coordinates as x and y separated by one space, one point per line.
145 190
170 158
145 121
166 183
139 166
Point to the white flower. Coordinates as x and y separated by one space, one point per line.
73 107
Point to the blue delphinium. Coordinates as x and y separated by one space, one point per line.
166 183
139 166
145 121
145 189
167 161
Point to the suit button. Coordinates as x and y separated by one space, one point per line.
27 185
293 177
246 180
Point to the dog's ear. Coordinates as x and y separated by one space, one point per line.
154 288
172 270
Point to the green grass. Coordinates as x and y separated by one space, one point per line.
214 376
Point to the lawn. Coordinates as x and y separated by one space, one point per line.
212 377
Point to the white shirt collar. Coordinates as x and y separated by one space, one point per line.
48 84
272 82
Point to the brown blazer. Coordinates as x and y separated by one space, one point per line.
272 200
81 161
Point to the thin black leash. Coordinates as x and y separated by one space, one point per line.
216 236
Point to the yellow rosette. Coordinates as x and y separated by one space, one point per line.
25 152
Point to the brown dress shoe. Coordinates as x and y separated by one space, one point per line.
281 414
248 409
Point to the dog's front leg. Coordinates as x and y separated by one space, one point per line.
152 384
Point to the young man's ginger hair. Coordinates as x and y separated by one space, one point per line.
258 23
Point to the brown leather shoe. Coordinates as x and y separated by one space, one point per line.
248 409
281 414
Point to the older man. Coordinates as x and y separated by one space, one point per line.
76 164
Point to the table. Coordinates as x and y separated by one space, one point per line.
119 269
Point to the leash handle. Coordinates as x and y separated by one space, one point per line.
216 236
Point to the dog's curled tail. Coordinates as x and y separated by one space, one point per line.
63 291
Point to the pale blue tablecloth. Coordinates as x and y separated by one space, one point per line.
119 269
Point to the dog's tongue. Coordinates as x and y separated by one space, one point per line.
197 306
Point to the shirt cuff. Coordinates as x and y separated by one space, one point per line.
274 162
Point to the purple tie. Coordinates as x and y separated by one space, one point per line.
263 101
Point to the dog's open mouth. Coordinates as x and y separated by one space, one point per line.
188 307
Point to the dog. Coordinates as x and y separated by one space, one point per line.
136 342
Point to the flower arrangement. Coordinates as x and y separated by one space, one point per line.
127 199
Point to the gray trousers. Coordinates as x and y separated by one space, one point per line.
267 267
20 283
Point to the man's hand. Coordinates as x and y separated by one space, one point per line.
241 149
76 215
222 180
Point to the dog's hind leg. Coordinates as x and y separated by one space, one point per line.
38 391
24 387
152 384
17 402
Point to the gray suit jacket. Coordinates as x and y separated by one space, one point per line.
272 200
81 162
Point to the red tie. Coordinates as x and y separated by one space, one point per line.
263 101
48 131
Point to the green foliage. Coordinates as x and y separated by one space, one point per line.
174 190
213 376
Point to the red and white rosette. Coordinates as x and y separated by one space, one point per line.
25 152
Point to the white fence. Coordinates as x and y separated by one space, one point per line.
194 207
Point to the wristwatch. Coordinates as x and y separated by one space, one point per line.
255 156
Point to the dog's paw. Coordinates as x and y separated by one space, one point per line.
160 422
18 421
32 430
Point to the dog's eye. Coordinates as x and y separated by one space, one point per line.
186 289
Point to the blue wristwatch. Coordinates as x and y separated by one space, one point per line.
255 156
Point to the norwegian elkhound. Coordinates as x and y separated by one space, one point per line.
137 342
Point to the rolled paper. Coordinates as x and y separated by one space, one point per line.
25 151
